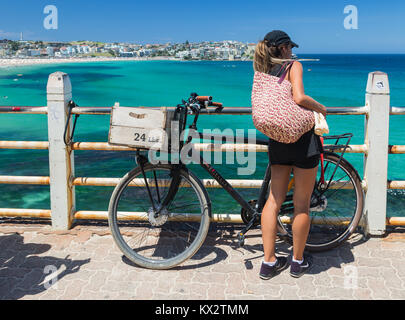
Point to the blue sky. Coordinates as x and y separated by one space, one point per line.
317 26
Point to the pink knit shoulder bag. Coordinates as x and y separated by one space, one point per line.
274 110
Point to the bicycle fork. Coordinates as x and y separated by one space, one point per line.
174 185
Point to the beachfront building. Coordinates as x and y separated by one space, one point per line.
144 52
222 53
126 53
34 53
65 51
196 53
250 49
3 48
81 49
208 50
50 51
186 54
85 49
23 52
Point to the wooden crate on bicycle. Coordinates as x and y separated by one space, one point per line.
140 127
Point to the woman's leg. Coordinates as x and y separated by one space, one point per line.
280 176
304 181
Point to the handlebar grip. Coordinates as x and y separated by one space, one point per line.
203 98
216 104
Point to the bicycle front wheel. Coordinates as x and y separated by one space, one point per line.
335 210
159 216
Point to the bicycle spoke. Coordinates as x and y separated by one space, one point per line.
336 190
156 184
156 232
182 206
333 209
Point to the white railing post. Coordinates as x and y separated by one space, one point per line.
376 161
61 158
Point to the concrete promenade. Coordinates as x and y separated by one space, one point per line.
84 263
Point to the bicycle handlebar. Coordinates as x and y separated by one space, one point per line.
203 98
196 103
216 104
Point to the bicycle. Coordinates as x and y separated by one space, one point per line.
159 214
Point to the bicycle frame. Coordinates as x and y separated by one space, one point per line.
215 174
253 211
267 176
232 191
334 147
237 196
141 160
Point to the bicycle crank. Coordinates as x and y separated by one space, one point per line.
241 239
253 221
247 216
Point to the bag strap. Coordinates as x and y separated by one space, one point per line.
322 179
285 72
282 67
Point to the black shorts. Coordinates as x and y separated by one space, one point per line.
304 153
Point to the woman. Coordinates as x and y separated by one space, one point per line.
301 157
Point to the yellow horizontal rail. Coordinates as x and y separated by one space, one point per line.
234 218
25 213
395 221
24 144
396 184
141 216
396 149
24 180
242 147
139 182
362 148
95 110
208 183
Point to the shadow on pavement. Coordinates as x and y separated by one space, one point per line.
198 260
207 255
323 261
222 236
23 272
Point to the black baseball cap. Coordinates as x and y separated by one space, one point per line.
277 37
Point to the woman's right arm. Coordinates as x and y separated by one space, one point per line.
299 95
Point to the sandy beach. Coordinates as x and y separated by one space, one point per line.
16 62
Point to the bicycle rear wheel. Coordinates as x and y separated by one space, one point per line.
335 210
162 222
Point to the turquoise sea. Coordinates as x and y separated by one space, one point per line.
335 80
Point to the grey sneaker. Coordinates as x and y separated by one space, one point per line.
267 272
297 270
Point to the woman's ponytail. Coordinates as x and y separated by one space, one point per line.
265 57
262 58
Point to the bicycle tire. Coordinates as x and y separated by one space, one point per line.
163 230
345 233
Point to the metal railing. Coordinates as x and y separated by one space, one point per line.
61 158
